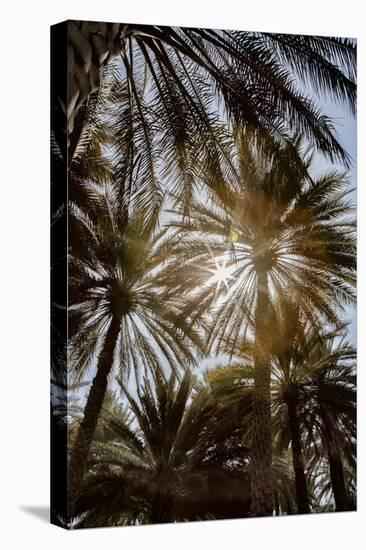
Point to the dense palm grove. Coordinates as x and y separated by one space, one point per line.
211 266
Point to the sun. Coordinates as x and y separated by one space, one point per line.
221 274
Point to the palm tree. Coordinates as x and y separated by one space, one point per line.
275 233
321 482
232 386
181 74
314 392
329 411
301 356
290 369
118 312
170 455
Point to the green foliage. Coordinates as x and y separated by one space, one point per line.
169 98
207 123
299 229
171 455
115 271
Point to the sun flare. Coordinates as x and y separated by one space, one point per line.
221 274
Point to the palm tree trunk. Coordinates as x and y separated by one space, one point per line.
261 476
336 468
84 437
302 494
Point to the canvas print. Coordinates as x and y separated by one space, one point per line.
203 274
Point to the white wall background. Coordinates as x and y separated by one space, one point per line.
24 273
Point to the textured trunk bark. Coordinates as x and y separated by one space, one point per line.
302 494
261 475
84 437
336 469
